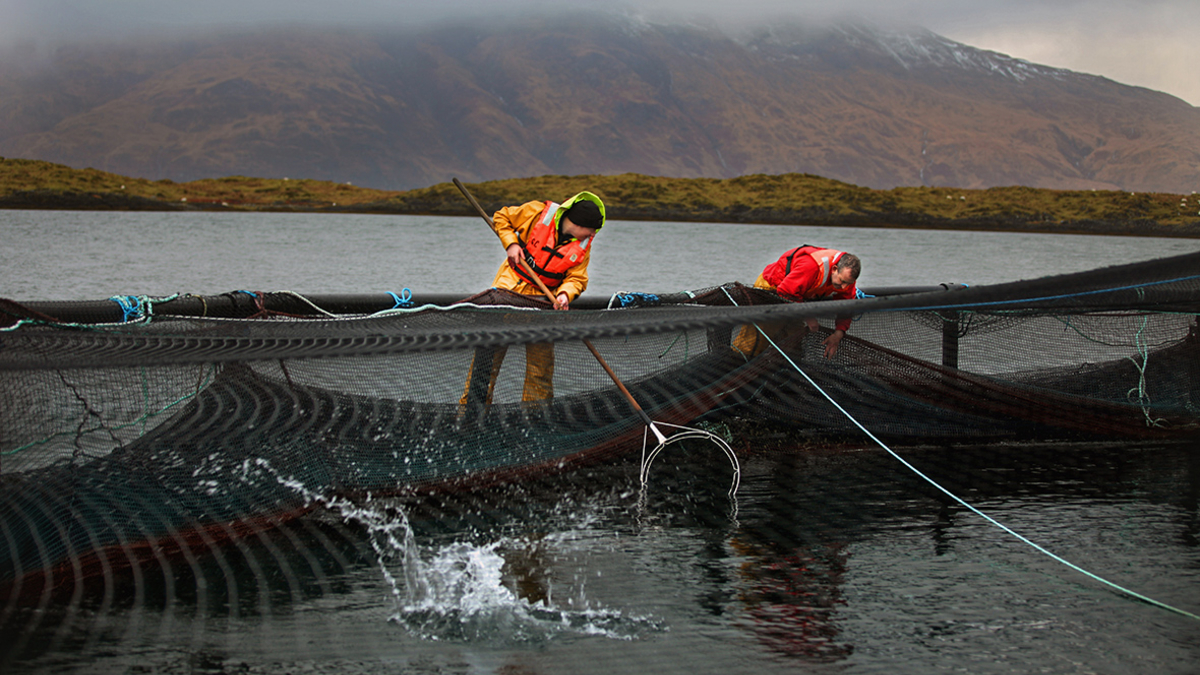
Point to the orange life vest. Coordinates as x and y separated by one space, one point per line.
549 260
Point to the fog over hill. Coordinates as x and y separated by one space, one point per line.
593 93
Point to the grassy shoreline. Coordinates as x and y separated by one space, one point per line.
789 199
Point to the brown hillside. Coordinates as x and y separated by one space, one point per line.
586 94
781 199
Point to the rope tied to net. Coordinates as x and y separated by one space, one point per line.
1138 395
963 502
134 307
260 304
686 346
1142 397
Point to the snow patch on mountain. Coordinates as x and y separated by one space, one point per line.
912 49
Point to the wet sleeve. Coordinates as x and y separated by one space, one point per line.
511 220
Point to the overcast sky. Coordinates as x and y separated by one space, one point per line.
1150 43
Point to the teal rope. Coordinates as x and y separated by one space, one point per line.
1078 331
974 510
136 308
1143 396
686 345
1140 288
1138 395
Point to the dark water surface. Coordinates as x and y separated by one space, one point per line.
836 559
830 560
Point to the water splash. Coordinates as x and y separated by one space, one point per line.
464 596
460 591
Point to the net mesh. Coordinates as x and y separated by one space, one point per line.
122 443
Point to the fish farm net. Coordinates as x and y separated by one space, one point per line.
130 443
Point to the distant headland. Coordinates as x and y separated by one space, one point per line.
786 199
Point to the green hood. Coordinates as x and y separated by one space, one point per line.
582 196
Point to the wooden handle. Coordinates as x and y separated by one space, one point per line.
620 385
471 198
483 214
540 284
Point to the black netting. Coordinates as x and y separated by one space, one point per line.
125 442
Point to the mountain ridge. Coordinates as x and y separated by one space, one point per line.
596 94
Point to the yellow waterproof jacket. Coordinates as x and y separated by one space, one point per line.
512 224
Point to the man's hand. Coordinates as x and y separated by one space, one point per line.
562 301
515 253
831 342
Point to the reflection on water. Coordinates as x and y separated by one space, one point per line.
791 595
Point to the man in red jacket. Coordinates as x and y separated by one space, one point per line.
804 274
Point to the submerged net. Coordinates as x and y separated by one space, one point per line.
134 442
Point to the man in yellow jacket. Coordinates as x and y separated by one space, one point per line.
555 240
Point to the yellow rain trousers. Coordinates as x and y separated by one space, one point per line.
750 342
539 373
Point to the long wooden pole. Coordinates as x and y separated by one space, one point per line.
554 301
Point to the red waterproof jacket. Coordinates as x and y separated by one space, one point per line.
803 274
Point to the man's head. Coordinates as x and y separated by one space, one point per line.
585 213
846 271
582 215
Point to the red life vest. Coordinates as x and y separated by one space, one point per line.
550 261
826 259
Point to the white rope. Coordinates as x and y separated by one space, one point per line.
306 301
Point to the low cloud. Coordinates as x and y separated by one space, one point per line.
1146 43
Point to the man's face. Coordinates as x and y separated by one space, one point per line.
842 278
572 230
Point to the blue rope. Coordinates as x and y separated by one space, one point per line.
635 299
859 295
404 300
135 306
